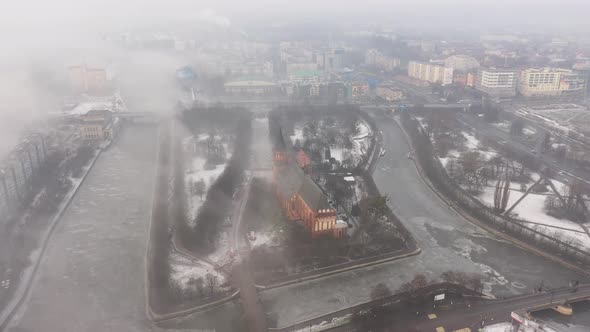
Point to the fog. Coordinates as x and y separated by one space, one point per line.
340 100
48 36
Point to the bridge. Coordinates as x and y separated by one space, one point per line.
134 115
471 314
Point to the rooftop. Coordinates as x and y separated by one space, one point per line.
249 83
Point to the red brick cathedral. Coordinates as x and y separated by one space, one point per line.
300 197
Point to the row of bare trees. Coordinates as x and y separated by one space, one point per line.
438 176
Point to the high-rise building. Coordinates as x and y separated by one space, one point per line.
430 72
549 82
496 82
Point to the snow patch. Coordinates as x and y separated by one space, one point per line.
297 135
184 270
472 142
499 327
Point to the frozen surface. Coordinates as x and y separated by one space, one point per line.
472 142
92 274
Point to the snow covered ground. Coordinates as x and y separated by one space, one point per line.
452 154
184 271
223 254
361 142
499 327
259 239
532 209
472 143
504 125
297 135
325 325
565 117
197 171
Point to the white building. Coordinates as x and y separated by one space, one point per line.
430 72
496 82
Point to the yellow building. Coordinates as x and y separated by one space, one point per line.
549 82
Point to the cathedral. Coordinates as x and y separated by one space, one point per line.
300 197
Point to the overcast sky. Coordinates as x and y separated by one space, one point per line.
25 12
36 32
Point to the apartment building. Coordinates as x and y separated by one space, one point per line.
549 82
430 72
496 83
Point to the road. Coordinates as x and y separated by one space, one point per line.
523 146
91 277
448 242
476 314
491 313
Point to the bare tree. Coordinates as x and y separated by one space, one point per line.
420 281
199 188
380 292
212 282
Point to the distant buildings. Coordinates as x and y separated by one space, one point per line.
359 90
295 68
430 72
549 82
496 83
85 79
250 88
462 63
330 61
375 58
238 68
389 93
467 79
305 77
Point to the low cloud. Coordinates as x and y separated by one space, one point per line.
210 16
